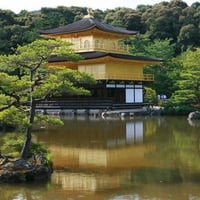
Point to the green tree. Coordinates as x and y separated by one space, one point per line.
188 92
26 79
143 46
188 36
7 19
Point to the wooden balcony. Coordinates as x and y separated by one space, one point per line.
132 77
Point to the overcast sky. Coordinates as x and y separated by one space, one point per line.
18 5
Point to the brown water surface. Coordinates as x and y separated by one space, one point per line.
118 159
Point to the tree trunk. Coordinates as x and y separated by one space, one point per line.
27 142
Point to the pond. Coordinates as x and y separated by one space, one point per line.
118 159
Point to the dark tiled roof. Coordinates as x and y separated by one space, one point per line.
86 24
97 54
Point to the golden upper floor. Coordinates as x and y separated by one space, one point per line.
89 34
95 43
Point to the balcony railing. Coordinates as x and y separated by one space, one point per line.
133 77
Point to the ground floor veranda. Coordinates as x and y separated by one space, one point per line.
105 95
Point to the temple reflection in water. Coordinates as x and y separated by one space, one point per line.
97 155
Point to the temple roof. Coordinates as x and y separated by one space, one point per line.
87 24
97 54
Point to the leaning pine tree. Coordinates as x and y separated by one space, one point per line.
26 79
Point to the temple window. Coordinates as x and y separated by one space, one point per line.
114 45
86 44
97 43
101 44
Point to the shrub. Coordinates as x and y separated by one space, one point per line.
13 142
177 109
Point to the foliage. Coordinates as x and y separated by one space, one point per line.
150 96
13 117
142 45
13 143
188 84
165 75
172 108
186 97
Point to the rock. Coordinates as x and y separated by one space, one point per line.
195 123
22 164
194 115
20 170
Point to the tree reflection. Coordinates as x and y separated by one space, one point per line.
178 147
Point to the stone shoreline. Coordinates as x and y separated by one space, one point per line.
20 170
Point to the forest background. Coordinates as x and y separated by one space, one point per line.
168 30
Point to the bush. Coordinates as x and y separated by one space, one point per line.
13 142
150 96
177 109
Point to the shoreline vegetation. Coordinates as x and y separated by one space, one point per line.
36 167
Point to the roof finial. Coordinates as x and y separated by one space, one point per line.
90 13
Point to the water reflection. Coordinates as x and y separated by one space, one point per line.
140 158
98 155
86 181
102 145
134 131
111 154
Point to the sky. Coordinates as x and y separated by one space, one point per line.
18 5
